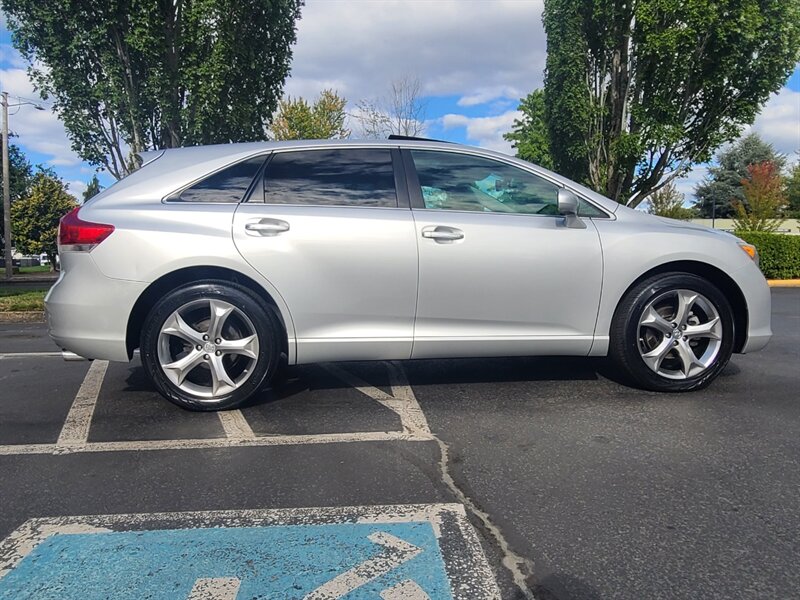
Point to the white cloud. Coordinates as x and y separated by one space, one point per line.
779 122
38 130
471 49
486 132
76 187
685 185
485 95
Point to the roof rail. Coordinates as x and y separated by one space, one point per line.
414 138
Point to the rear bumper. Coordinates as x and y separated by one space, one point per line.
87 312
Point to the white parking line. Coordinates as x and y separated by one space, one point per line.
29 355
238 433
76 428
403 402
235 425
198 444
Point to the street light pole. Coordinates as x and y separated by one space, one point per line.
6 192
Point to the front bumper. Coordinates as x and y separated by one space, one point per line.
759 308
87 312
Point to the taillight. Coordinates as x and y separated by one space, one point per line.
78 235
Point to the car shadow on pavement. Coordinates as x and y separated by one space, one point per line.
561 586
295 381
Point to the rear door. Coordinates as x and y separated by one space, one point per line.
499 271
330 229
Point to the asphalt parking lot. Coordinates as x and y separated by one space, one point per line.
425 479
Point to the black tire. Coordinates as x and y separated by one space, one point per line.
266 325
624 349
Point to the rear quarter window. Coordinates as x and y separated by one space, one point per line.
227 186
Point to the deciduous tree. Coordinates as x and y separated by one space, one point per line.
668 202
126 76
296 119
636 91
36 214
763 199
401 112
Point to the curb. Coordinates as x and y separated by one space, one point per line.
784 283
22 316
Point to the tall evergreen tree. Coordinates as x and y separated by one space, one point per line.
20 175
92 188
792 191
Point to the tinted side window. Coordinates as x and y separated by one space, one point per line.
228 185
451 181
338 177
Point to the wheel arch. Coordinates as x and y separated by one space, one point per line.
179 277
717 277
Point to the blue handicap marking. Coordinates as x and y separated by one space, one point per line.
226 556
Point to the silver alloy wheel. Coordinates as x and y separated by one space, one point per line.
680 334
208 348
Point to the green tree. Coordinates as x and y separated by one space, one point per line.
296 119
636 92
36 214
529 135
792 191
763 202
723 186
123 74
92 188
668 202
20 173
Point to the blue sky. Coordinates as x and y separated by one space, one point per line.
473 59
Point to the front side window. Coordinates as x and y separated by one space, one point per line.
228 185
451 181
334 177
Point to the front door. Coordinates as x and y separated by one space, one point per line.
326 230
499 271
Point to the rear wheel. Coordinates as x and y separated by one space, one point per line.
210 345
673 333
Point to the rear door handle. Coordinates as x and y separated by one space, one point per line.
266 227
440 233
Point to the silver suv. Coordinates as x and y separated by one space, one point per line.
219 262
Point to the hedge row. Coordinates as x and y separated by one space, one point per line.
779 253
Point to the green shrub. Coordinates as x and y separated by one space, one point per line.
779 254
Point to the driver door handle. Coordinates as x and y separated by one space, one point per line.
440 233
266 227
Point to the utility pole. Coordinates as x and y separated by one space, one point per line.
6 177
6 192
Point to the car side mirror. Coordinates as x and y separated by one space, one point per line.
568 204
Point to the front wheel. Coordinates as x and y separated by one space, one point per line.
210 345
673 333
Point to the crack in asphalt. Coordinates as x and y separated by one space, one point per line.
512 561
